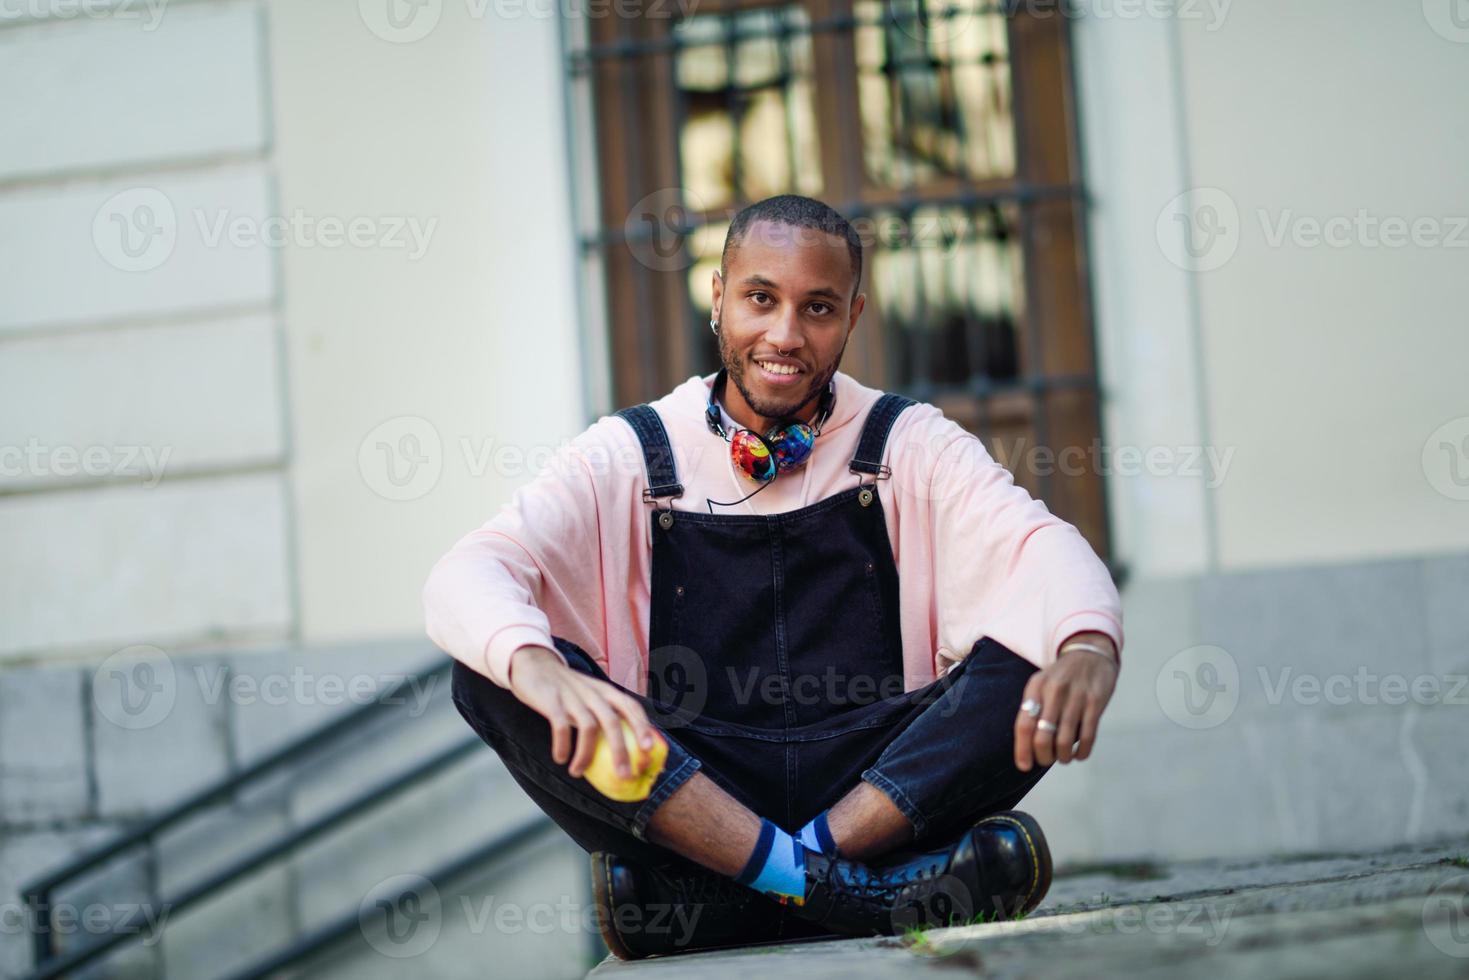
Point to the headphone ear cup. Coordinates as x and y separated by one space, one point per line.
752 456
791 444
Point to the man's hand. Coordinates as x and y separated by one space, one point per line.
1072 693
569 699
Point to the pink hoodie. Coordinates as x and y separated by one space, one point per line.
571 553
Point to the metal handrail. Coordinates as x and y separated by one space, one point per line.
270 850
36 895
347 922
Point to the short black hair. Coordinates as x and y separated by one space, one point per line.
794 211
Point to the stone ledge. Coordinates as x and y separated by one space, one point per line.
1398 912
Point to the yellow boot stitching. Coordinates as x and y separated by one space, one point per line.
1030 846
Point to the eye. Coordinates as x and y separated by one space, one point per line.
759 297
821 309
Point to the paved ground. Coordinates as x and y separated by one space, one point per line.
1397 913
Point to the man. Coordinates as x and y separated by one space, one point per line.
845 743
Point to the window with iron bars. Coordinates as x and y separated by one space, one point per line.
943 130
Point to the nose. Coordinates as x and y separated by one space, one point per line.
785 332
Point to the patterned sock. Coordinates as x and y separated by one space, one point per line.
777 866
816 835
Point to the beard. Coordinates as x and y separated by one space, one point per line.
783 408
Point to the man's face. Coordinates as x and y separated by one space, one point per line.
785 289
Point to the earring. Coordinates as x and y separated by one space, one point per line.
713 325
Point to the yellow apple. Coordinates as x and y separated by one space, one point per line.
646 765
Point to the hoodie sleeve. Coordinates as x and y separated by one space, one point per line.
1005 566
540 558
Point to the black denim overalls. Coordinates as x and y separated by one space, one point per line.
776 668
774 641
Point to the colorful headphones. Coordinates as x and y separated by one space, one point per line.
785 446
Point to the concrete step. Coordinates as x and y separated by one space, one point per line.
1403 912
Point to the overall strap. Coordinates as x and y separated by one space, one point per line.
657 452
880 419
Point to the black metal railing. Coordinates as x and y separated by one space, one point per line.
51 962
481 859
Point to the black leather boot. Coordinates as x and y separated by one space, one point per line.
678 908
998 869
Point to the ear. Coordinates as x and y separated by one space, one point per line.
858 305
716 292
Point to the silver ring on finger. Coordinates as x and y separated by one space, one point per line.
1046 726
1031 707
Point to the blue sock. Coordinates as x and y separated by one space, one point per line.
777 866
816 836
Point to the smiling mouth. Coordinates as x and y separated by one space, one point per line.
778 373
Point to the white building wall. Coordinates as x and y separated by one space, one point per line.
245 248
447 355
1282 604
1322 368
141 412
1331 363
293 242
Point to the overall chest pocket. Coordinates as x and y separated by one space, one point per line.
778 623
842 635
